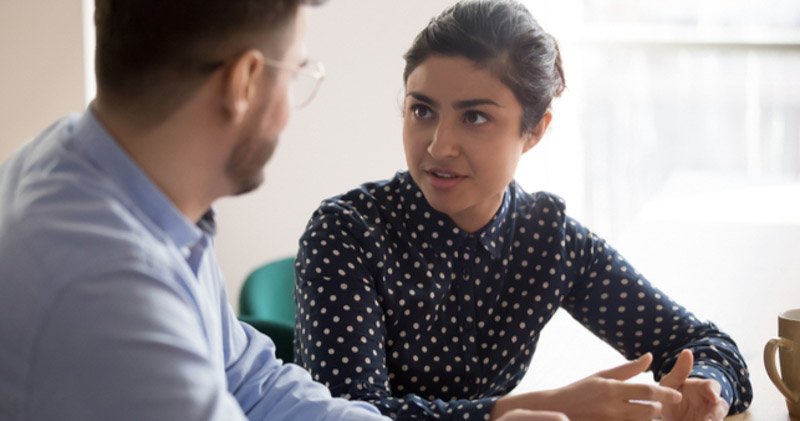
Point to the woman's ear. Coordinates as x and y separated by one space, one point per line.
240 83
533 137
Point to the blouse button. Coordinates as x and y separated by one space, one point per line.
465 274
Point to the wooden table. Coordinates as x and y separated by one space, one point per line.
737 271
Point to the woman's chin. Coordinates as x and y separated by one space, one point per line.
442 205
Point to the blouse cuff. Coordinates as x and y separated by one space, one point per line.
478 409
704 370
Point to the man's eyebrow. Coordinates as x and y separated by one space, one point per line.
458 105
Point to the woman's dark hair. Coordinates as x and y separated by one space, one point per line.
503 36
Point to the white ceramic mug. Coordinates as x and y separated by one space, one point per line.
788 343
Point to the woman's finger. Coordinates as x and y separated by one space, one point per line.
680 372
711 389
647 392
525 415
626 371
641 411
721 410
706 390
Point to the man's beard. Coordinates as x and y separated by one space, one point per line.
245 167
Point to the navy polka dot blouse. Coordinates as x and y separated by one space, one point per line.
399 307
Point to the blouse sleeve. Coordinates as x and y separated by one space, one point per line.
341 330
621 307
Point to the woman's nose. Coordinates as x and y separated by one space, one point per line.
444 143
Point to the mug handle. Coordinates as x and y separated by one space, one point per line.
769 363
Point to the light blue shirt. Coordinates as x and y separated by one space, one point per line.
112 304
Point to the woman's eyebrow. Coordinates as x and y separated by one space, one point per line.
423 98
458 105
468 103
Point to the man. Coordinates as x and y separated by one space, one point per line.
112 305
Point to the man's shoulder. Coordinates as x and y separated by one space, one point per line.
63 217
64 228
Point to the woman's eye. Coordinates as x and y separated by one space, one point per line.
475 117
421 111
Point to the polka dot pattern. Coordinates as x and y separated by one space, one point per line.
399 307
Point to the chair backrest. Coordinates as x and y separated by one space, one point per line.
267 293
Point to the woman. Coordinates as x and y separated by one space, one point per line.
425 294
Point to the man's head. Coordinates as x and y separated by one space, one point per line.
211 76
152 55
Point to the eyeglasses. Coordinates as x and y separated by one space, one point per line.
307 79
306 82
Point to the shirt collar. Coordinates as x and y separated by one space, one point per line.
495 234
444 236
92 140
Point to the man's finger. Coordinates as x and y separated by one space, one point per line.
680 372
626 371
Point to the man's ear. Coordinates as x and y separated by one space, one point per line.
240 83
533 137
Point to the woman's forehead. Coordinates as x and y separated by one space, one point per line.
447 79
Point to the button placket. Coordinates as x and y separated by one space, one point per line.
466 300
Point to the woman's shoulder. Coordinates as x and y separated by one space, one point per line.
369 194
371 204
536 203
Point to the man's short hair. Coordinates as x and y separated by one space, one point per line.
153 54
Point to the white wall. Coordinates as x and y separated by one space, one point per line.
41 67
349 134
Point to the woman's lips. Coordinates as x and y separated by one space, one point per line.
443 179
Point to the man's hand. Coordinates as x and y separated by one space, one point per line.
701 400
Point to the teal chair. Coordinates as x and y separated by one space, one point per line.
266 303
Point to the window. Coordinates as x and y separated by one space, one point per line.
665 97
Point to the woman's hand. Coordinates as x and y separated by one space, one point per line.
701 400
603 396
525 415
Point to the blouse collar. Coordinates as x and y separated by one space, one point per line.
442 235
